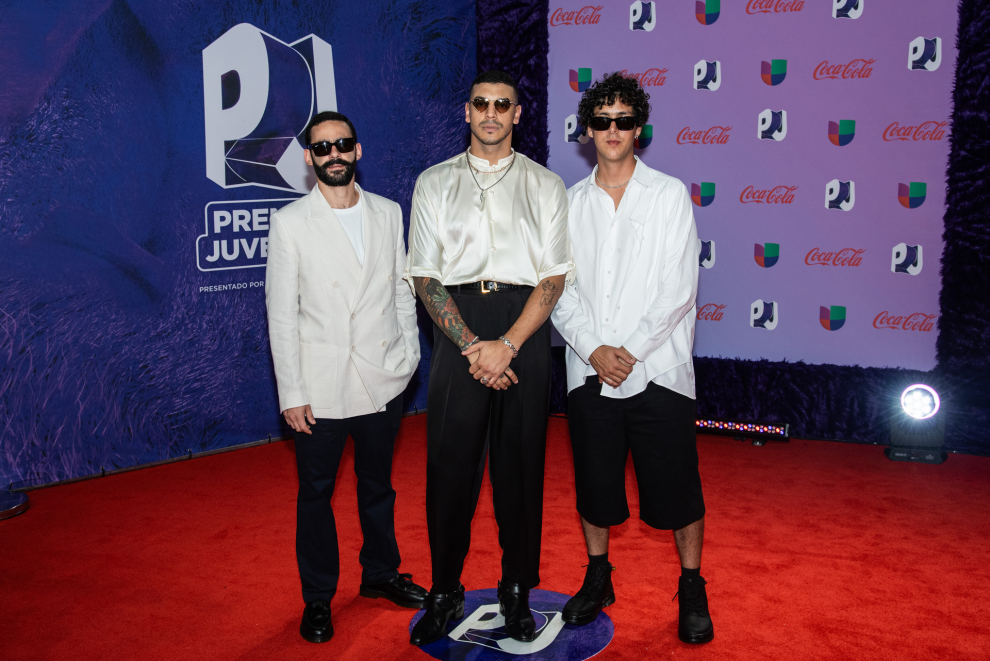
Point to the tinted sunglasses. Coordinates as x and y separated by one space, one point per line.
501 105
343 145
601 123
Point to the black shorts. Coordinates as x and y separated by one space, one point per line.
658 425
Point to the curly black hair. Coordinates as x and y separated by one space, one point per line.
606 91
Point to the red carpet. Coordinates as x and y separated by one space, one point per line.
813 550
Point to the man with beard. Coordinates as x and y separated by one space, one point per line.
345 343
488 254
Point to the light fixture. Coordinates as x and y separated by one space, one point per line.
917 431
760 432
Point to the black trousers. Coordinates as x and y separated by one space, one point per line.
317 459
466 422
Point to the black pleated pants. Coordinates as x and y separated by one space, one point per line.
466 422
317 460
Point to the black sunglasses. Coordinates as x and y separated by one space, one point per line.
481 104
602 123
343 145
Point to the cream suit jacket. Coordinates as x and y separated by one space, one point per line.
344 336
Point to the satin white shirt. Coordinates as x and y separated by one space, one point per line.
636 280
517 236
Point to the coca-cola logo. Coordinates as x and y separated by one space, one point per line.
930 130
588 15
716 135
710 312
775 195
650 78
919 321
858 68
773 6
844 257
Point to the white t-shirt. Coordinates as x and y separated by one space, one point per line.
352 222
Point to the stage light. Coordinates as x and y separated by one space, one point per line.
760 432
917 431
920 401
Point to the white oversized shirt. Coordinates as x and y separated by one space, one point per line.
517 236
636 280
352 220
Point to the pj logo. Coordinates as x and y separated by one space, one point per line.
643 16
906 259
708 75
481 635
763 314
847 8
258 94
706 257
573 131
925 54
840 194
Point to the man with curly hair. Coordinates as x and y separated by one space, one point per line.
628 320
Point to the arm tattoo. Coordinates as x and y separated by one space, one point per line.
443 310
549 294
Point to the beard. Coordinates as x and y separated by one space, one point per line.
487 139
341 178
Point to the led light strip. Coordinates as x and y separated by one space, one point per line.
745 427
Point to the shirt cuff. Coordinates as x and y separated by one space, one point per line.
585 345
637 345
566 269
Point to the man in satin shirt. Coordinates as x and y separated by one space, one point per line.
488 255
628 319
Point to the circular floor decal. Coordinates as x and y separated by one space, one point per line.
480 635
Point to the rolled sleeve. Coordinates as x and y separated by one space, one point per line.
425 258
557 258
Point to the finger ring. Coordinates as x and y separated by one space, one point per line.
484 380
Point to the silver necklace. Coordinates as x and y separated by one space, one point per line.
604 185
483 189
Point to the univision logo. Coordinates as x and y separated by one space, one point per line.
645 137
912 195
832 318
707 11
703 194
580 80
773 72
841 133
766 254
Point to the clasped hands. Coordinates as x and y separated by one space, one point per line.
613 364
490 364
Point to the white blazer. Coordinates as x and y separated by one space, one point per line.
344 336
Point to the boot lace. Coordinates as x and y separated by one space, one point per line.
692 595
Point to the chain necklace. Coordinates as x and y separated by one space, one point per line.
483 188
604 185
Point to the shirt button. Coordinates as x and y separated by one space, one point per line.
610 273
606 318
336 284
353 348
384 343
383 312
615 331
353 316
608 296
390 278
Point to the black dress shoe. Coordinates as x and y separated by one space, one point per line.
401 591
440 608
695 624
596 593
316 626
513 603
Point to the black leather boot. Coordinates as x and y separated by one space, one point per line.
695 623
316 625
441 607
596 593
513 603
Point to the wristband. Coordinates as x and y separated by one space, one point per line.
477 338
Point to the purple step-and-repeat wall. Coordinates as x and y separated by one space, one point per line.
813 137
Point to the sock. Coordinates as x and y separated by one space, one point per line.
598 560
691 573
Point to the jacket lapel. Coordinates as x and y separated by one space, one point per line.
325 223
374 242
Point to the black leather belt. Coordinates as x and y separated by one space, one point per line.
484 286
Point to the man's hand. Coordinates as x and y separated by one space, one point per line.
613 364
491 360
298 416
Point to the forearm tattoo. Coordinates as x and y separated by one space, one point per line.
549 296
443 310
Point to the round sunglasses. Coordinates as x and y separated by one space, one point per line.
481 104
343 145
602 123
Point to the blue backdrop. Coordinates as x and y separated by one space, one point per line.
116 346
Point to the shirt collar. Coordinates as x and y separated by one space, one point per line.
482 165
641 174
